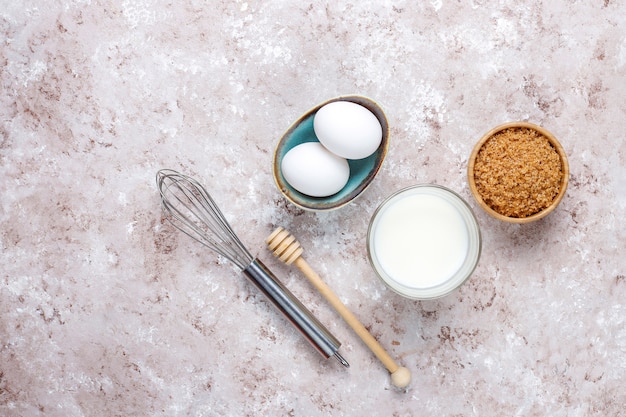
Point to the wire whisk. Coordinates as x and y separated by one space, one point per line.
190 208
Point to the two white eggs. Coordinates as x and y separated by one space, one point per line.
345 130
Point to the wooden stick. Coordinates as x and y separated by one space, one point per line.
287 249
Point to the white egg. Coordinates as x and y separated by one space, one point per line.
348 129
314 170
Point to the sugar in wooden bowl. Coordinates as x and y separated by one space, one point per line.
518 172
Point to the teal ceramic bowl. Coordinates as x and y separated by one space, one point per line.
362 171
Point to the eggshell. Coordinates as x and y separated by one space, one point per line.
313 170
348 129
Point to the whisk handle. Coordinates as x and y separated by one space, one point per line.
292 308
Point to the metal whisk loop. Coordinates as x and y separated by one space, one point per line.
192 210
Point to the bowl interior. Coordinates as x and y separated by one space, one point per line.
362 171
564 167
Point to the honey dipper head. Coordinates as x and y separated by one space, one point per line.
284 246
401 378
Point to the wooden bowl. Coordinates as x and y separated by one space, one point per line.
362 171
564 171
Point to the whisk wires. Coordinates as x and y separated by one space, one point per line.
190 208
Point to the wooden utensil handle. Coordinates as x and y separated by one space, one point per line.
347 315
286 248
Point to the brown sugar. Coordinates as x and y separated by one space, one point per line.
518 172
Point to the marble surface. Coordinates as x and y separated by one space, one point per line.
105 310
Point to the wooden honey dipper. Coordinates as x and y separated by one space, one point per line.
286 248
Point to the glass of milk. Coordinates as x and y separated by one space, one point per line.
424 241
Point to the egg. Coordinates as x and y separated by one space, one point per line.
348 129
313 170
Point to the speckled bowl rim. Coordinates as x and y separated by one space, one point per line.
323 203
463 273
564 180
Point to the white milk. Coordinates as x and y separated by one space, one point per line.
419 240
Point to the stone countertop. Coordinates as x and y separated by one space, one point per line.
105 310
